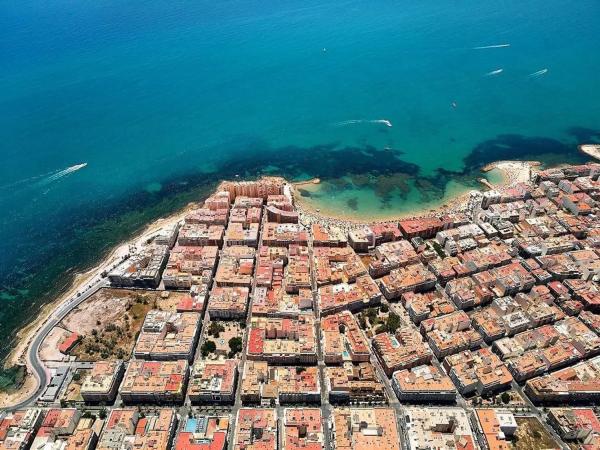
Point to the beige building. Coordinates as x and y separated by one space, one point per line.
101 383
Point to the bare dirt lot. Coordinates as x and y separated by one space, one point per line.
531 435
110 320
49 349
73 391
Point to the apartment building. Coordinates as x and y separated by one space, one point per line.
497 427
337 265
403 350
365 428
427 305
343 340
354 383
411 278
101 382
266 384
480 372
143 269
190 265
126 428
65 429
361 294
283 340
200 234
578 383
18 428
213 381
438 428
423 384
256 429
228 302
327 237
450 334
392 255
302 429
202 432
236 266
168 336
576 425
155 382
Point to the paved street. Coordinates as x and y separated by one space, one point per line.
40 371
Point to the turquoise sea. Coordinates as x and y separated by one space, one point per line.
162 99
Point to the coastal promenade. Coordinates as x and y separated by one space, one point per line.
84 286
34 362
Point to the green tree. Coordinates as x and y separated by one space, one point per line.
235 345
372 315
505 398
208 347
363 322
215 328
393 322
381 329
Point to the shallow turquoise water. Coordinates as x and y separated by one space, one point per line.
162 99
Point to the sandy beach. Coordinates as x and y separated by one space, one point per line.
512 171
455 199
509 172
308 213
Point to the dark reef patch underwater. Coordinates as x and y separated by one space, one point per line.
42 268
517 147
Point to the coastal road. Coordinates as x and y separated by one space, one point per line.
33 357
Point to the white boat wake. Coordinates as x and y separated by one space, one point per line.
40 180
62 173
485 47
24 181
494 72
385 122
539 73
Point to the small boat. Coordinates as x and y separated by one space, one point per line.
454 104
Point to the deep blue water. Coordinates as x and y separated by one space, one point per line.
163 98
